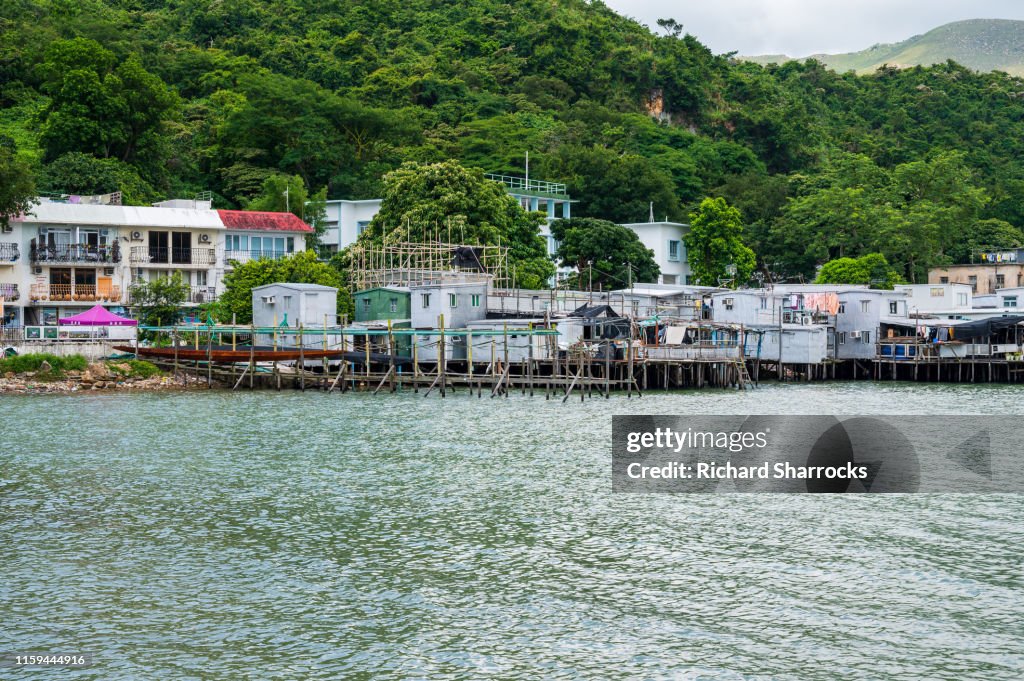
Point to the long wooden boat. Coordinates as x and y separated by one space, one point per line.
227 354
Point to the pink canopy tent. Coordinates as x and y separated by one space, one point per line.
97 316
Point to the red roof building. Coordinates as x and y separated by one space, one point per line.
263 221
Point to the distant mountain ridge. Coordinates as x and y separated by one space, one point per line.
979 44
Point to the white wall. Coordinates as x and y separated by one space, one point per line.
343 219
937 297
656 236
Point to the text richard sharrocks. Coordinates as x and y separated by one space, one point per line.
677 440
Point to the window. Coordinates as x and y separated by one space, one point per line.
425 300
842 337
842 308
1000 280
361 226
764 303
1010 301
893 307
961 299
973 281
865 337
236 242
366 304
728 302
865 306
393 304
453 300
474 300
674 247
938 292
201 278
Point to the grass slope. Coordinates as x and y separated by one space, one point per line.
979 44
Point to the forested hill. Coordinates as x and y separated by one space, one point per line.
171 98
979 44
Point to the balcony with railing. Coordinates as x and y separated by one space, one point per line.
67 254
198 295
56 293
247 254
9 292
522 184
173 257
195 295
9 253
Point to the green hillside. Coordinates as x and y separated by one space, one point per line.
979 44
161 98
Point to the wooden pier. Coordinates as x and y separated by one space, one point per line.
346 359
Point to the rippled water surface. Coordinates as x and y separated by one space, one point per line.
311 536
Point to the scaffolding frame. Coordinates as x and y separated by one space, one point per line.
417 263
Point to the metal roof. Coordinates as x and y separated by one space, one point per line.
121 216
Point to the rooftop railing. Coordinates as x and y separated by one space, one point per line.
523 184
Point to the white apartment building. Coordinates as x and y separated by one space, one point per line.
62 257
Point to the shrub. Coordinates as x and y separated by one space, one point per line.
21 364
134 368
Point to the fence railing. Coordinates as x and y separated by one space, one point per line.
75 253
202 294
9 292
142 255
9 253
523 184
247 254
75 292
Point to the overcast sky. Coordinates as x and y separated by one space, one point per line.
802 27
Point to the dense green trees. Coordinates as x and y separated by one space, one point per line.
922 165
869 270
918 215
606 255
16 187
715 245
445 202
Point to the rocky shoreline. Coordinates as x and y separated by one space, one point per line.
98 376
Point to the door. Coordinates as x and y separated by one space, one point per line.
85 284
158 247
60 284
181 248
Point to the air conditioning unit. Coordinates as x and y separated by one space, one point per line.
37 270
855 334
204 238
108 271
136 236
267 300
805 321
